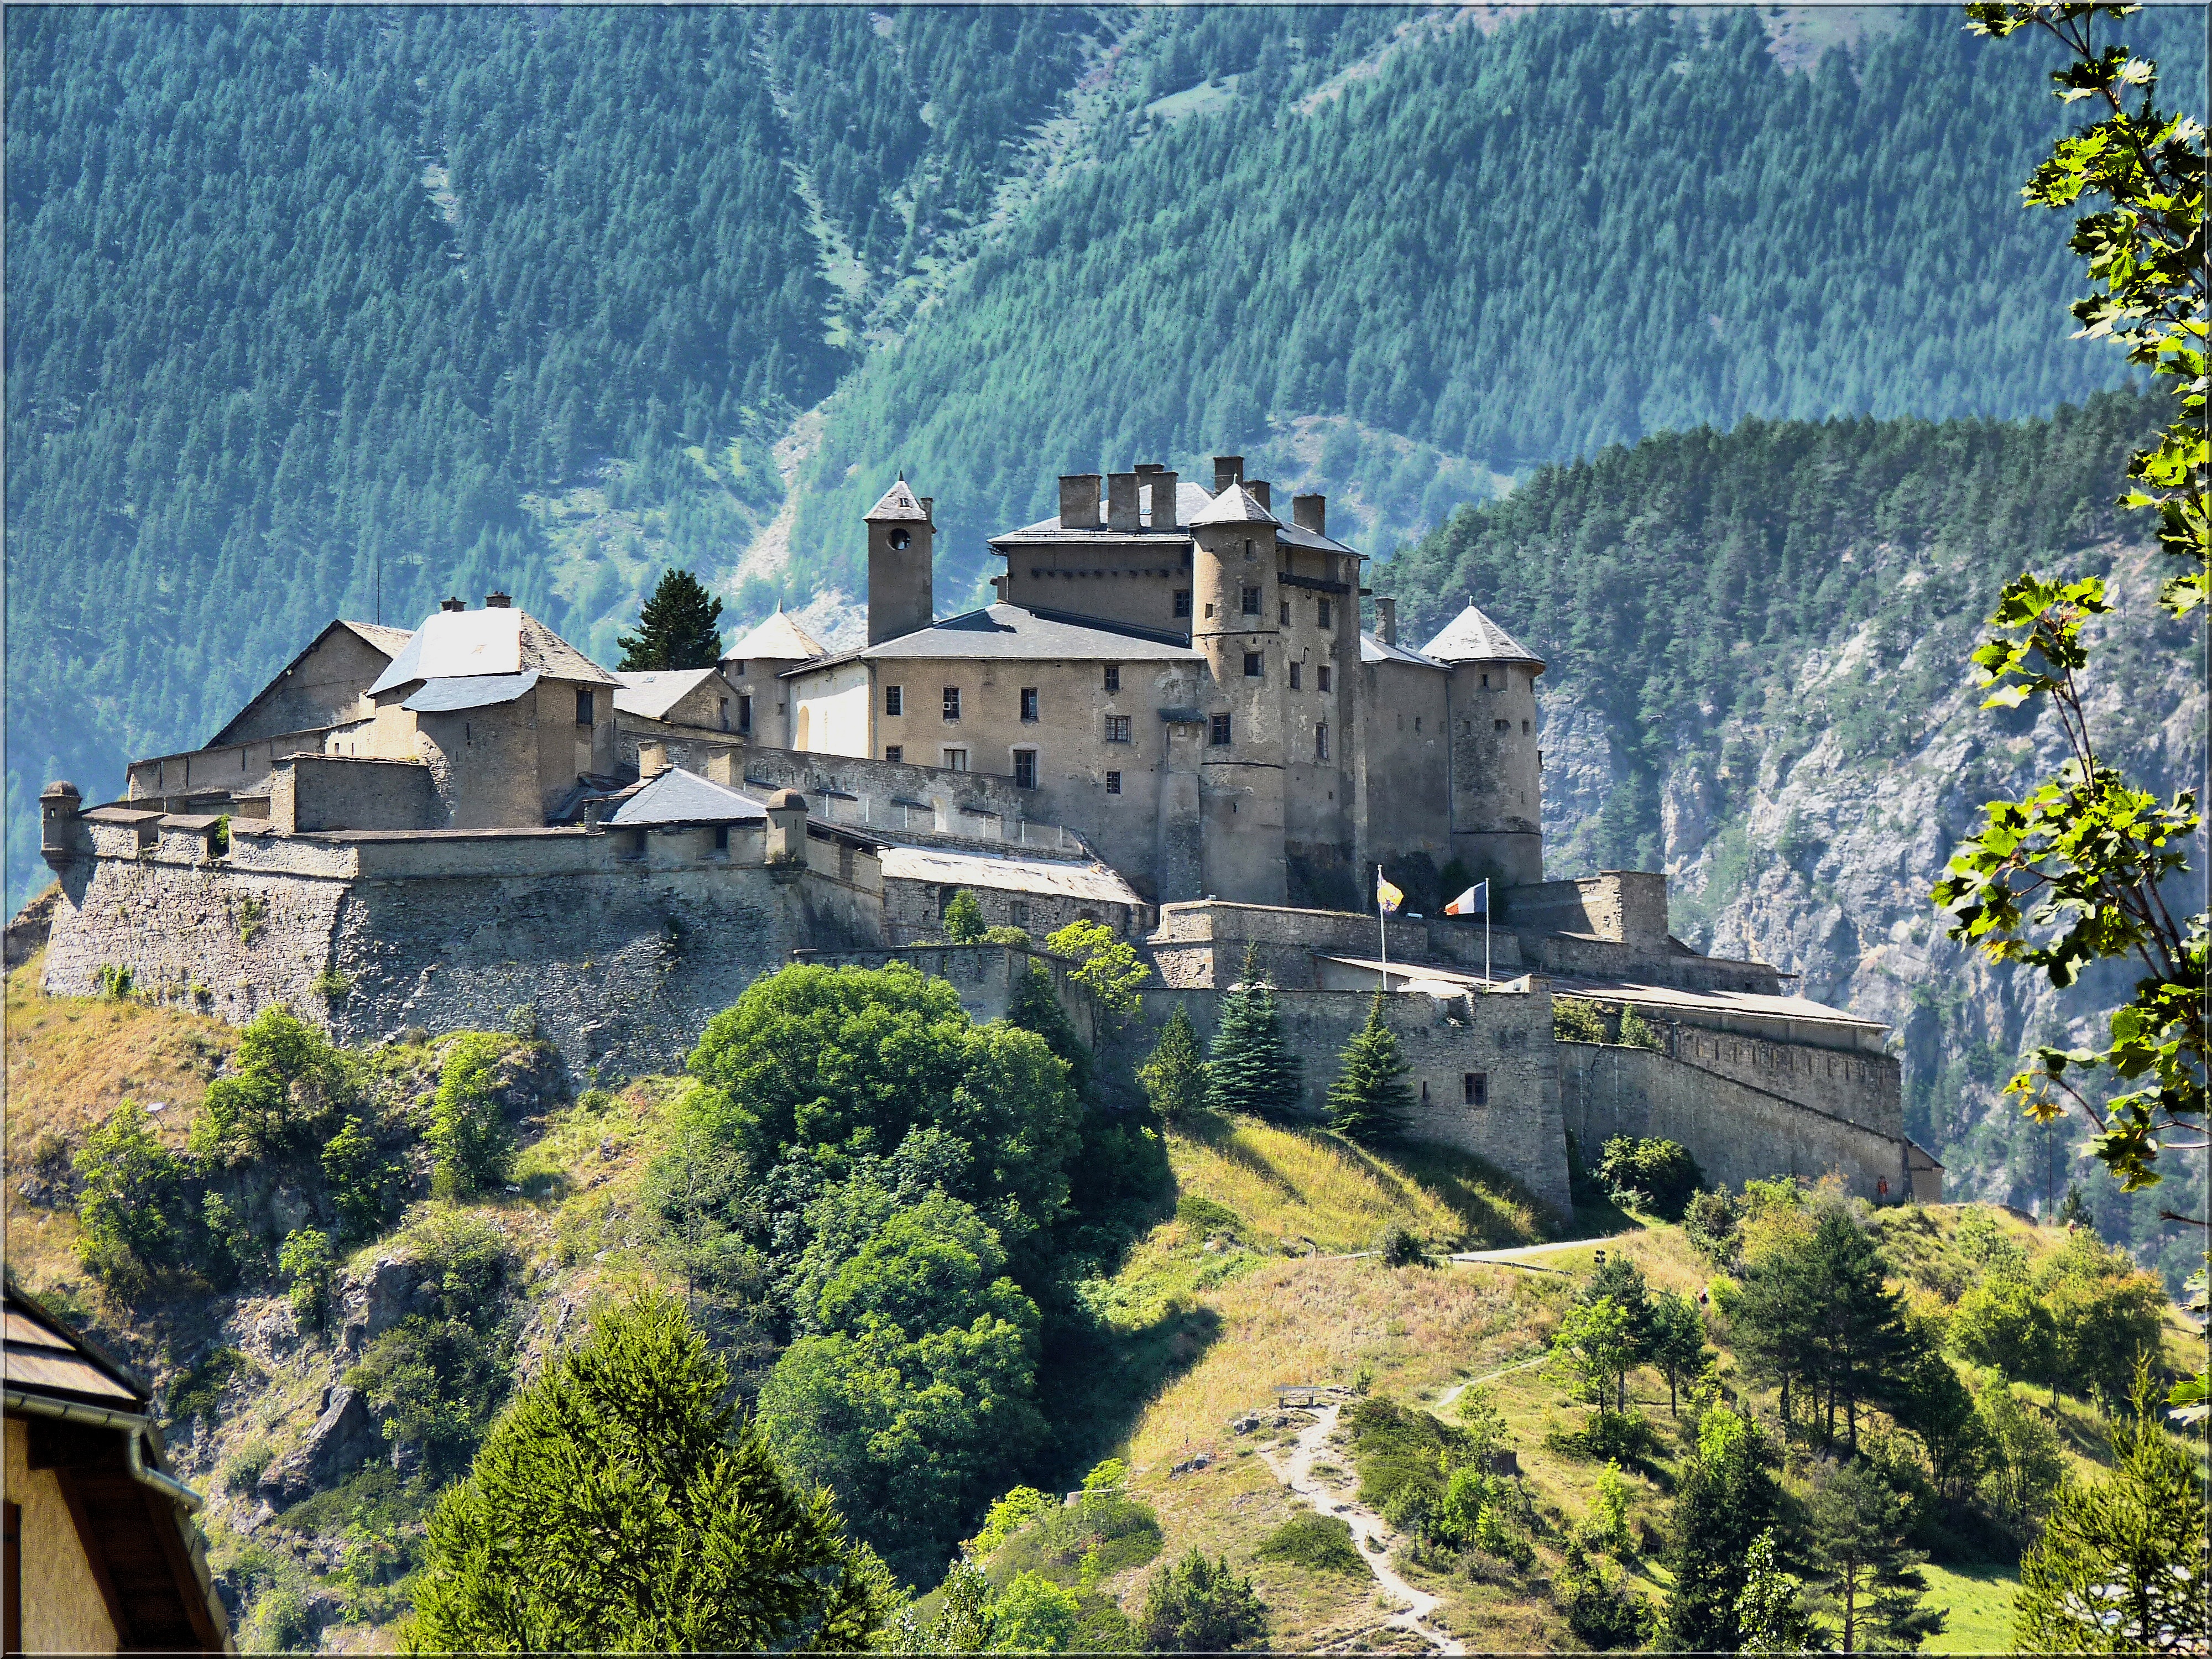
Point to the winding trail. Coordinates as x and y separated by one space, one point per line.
1294 1468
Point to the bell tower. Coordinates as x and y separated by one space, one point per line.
901 538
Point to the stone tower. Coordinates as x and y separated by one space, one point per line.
901 596
1496 785
1233 621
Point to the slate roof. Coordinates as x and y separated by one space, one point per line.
1191 500
1010 633
389 640
651 695
899 506
778 639
1056 878
680 797
1235 505
1473 637
496 640
1373 650
449 696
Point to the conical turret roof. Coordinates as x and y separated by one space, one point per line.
778 639
1235 505
1473 637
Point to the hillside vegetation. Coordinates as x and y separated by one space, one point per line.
425 302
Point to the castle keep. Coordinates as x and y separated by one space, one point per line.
1169 720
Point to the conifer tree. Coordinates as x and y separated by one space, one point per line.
1726 1500
1250 1068
677 629
622 1502
1370 1101
1875 1583
1175 1075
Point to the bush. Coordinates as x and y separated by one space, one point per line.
361 1181
469 1142
133 1215
243 1471
1710 1219
1399 1247
1319 1543
1204 1215
1600 1608
198 1392
306 1260
1032 1615
1574 1020
1658 1175
286 1080
963 920
1197 1605
282 1622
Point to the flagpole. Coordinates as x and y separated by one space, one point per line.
1382 928
1485 930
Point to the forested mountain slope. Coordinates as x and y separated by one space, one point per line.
1758 681
308 305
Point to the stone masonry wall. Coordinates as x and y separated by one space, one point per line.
1737 1133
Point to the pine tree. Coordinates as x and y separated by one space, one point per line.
1726 1500
621 1502
1369 1101
677 627
1873 1581
1250 1068
1175 1075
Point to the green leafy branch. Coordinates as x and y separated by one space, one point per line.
2146 252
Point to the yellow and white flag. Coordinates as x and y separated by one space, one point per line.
1386 897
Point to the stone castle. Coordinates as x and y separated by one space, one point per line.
1169 721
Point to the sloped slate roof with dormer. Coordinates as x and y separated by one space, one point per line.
1473 637
496 640
899 506
677 797
778 639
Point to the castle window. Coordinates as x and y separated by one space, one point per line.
1321 741
1485 682
1416 722
1024 769
1294 677
745 714
1286 613
894 752
1255 665
1183 602
952 703
722 710
1320 676
1117 728
1218 731
1501 726
956 760
895 699
1113 669
583 710
722 838
1029 702
1113 783
1018 912
1251 601
1477 1085
1325 614
1209 610
1524 728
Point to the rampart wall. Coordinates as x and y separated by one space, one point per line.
1202 943
1736 1131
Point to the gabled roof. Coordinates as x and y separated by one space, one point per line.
387 641
496 640
1011 633
1373 650
678 797
778 639
899 506
1059 878
43 1356
469 691
1235 505
1473 637
651 694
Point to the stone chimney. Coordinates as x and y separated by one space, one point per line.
1121 503
1227 470
452 605
1386 616
496 600
1310 512
1260 489
1079 500
651 759
1154 478
929 510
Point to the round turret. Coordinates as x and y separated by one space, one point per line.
787 801
58 805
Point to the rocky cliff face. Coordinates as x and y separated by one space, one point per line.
1810 837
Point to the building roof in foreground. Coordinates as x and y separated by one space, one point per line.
1048 877
496 640
678 797
651 694
1011 633
779 638
1473 637
44 1356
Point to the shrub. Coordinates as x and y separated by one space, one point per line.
132 1213
1204 1215
1660 1174
1636 1032
306 1260
1710 1219
286 1079
1574 1020
963 920
282 1622
113 983
198 1392
1197 1605
1399 1247
243 1471
469 1141
1007 1516
331 986
360 1180
435 1382
1600 1608
1319 1543
1032 1615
